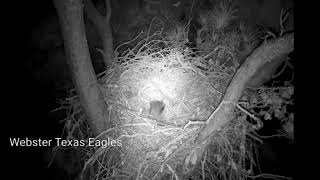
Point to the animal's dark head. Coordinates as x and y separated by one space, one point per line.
156 107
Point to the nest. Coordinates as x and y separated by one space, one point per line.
148 147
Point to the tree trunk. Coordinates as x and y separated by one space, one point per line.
102 24
70 13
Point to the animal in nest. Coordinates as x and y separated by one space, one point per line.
156 108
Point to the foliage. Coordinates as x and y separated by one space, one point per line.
272 104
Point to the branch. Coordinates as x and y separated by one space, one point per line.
102 24
93 14
70 13
267 53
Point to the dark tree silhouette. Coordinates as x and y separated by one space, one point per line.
70 14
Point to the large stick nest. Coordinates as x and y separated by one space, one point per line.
156 141
156 146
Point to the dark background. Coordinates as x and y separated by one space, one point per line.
26 102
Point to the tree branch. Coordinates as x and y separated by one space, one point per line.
266 53
94 15
102 24
70 15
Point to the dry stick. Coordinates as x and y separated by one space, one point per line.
267 52
202 165
128 42
173 172
269 176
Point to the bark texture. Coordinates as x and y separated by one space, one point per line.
266 53
102 24
70 13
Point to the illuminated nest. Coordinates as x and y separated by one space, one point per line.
157 147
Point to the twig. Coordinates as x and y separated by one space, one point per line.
127 42
209 170
248 113
255 137
280 72
271 176
150 27
202 165
172 171
283 17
